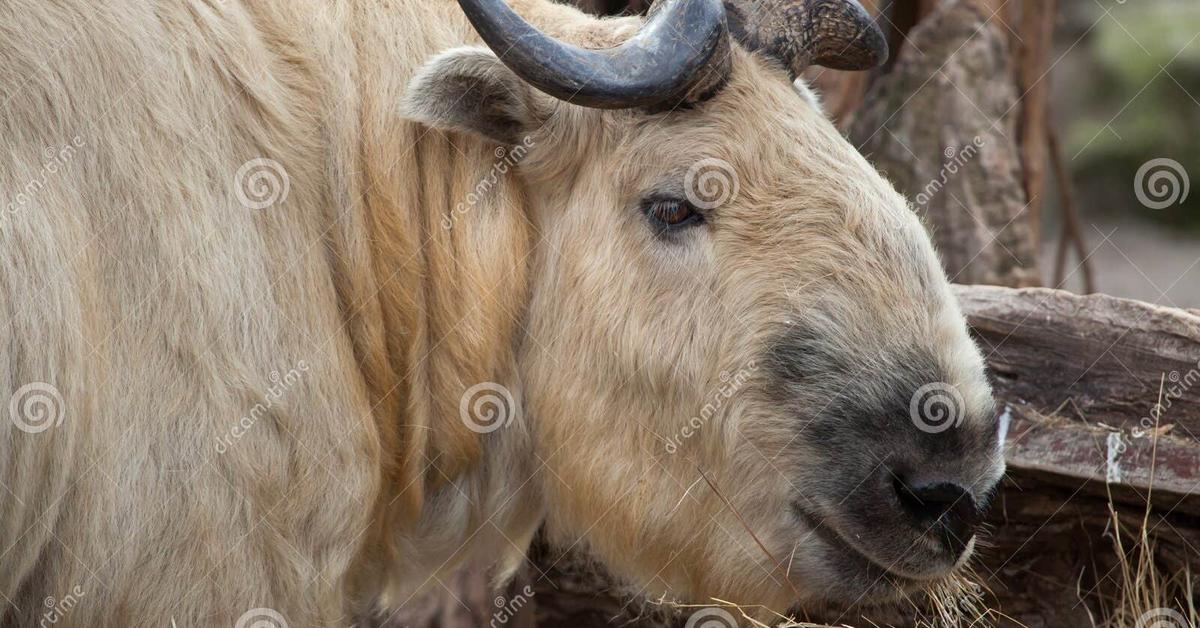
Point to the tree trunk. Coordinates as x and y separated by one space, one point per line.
942 126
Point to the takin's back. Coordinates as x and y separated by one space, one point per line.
182 236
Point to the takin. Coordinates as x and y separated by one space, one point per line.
309 303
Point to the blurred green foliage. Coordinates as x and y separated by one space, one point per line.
1139 100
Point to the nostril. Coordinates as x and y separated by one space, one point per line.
938 499
945 508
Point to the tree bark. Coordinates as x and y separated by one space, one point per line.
942 126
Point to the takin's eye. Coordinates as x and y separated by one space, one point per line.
670 215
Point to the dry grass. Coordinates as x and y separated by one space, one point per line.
957 601
1147 597
1145 593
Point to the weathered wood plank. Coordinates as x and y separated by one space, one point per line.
1094 358
1131 468
1103 393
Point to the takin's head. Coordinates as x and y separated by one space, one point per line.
741 362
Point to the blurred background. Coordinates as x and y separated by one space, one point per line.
1127 91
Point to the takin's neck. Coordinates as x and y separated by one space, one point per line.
448 244
449 269
446 249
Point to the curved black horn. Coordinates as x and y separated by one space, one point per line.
672 58
837 34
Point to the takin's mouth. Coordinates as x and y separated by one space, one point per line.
856 576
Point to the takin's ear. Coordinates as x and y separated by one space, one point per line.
469 89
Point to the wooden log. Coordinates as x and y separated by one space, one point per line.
1096 358
1104 462
1103 393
